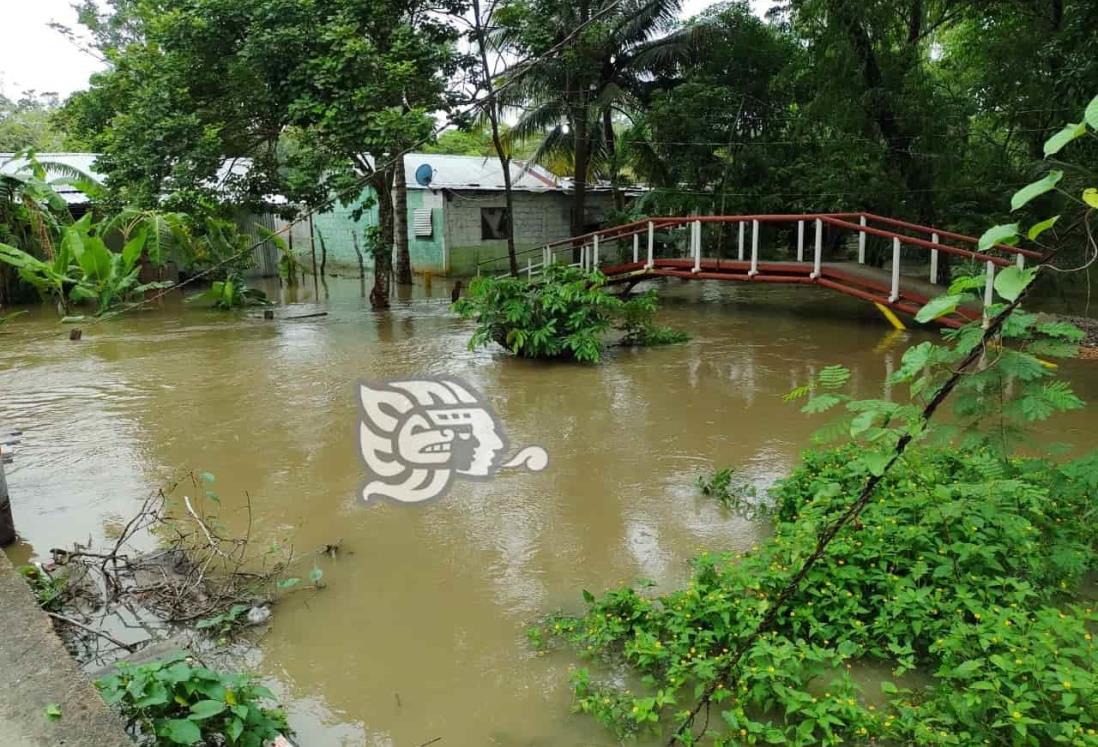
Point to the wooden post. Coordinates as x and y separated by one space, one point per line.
7 523
989 292
312 243
934 260
861 241
894 296
697 240
817 257
754 249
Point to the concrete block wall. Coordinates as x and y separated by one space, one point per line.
540 218
455 246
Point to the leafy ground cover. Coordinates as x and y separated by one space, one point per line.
968 566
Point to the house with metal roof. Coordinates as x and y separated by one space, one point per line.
457 213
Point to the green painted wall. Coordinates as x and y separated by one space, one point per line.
337 227
427 253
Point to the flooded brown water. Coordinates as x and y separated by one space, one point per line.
419 633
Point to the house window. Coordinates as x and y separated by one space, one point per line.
493 223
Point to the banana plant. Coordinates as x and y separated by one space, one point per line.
84 269
52 278
107 278
5 318
231 293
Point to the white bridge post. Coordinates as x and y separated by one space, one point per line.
529 268
800 241
754 249
1021 261
743 229
817 260
894 296
934 260
697 236
651 244
989 291
595 262
636 248
861 242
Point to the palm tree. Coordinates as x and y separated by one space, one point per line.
587 63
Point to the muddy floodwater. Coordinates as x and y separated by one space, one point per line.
419 633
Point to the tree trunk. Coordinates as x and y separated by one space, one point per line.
612 153
916 176
383 250
400 224
497 141
582 162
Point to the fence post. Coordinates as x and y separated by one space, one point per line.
651 244
934 260
894 296
636 248
754 249
743 228
817 259
595 260
1021 261
529 268
861 242
7 523
800 241
697 246
989 291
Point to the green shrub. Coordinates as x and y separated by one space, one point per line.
48 590
563 313
723 486
964 566
231 293
172 702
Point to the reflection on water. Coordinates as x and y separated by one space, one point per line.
420 632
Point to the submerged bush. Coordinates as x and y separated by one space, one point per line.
231 293
730 491
173 702
965 566
563 313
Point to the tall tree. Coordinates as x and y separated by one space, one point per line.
28 123
320 96
591 57
482 21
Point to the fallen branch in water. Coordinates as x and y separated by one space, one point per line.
131 647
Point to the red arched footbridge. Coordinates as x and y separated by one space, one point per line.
827 249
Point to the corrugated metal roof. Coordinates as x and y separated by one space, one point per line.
81 161
448 172
478 173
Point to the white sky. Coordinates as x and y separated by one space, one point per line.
34 56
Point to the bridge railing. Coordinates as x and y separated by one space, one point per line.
637 241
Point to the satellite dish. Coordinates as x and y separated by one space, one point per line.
424 175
